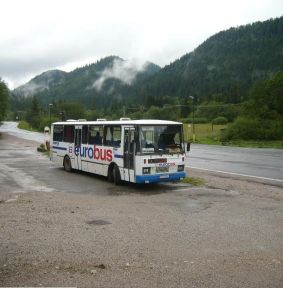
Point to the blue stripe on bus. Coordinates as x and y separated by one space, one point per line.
59 148
118 156
160 177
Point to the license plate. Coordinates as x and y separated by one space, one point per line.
162 169
164 176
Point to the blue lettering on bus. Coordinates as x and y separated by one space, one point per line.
90 153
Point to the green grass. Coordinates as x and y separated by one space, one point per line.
193 181
206 134
25 125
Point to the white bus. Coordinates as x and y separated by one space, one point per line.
138 151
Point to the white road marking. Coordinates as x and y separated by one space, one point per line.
236 174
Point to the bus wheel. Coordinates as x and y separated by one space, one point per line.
110 173
67 164
116 175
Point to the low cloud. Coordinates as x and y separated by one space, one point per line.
125 71
30 89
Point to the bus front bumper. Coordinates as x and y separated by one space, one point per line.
160 177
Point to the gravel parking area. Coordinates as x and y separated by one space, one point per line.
76 229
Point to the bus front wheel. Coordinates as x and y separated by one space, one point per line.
114 174
67 164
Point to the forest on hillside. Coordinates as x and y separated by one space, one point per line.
258 118
224 67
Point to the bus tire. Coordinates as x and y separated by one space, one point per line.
67 164
110 173
116 175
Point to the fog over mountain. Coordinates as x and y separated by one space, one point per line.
67 34
98 83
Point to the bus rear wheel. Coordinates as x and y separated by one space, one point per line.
67 164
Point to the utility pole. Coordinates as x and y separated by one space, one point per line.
50 106
193 123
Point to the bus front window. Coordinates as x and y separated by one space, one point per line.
161 139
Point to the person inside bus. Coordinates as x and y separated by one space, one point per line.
161 142
98 139
166 140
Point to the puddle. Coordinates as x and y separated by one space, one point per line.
268 208
212 192
22 180
98 222
147 189
199 199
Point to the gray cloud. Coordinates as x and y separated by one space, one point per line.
125 71
37 36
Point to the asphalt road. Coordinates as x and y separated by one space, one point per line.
261 163
12 129
264 164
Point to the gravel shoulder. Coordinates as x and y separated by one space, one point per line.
227 233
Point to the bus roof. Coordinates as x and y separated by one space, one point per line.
119 122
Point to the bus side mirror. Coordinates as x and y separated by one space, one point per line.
188 148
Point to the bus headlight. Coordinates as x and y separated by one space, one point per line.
146 170
181 168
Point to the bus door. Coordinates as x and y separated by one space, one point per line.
78 142
129 154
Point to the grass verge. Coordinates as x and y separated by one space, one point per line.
211 135
25 125
194 181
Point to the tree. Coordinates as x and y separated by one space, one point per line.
73 110
262 117
4 93
266 97
33 114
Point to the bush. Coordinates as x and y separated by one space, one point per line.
161 113
216 109
219 121
247 128
41 148
24 125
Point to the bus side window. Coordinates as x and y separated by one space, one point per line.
58 133
112 136
138 144
95 135
69 132
107 136
85 134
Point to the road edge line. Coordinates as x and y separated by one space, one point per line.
236 174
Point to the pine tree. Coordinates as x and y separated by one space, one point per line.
4 92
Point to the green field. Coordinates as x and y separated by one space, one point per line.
204 133
208 134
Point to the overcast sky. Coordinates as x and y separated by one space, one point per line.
64 34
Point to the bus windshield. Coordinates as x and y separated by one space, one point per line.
161 139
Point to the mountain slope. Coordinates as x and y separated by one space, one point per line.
111 79
225 66
44 81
